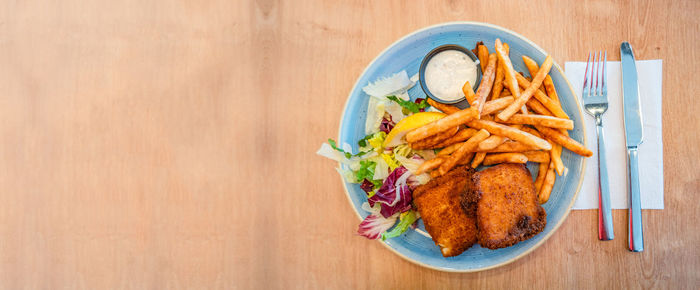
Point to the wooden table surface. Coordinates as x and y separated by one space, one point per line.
172 145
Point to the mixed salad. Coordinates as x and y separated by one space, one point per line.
385 165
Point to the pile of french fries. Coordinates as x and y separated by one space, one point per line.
512 119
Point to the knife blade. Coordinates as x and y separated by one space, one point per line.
634 135
631 103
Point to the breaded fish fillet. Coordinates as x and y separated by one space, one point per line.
507 211
440 203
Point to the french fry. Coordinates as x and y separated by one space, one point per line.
434 174
430 165
478 158
536 106
547 184
532 131
497 158
432 128
433 141
555 156
555 153
509 146
462 151
447 109
500 76
540 120
546 101
449 149
487 79
494 140
509 73
461 135
529 91
466 159
491 142
551 90
537 156
532 67
510 133
468 92
541 173
482 52
565 141
496 104
489 107
548 84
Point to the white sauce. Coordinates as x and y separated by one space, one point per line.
447 72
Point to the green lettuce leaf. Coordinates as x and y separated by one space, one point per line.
406 221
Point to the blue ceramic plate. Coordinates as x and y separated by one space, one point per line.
406 54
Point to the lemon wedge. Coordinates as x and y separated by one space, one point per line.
395 136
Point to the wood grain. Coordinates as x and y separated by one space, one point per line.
160 145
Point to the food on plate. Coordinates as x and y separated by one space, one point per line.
435 140
491 142
510 133
415 161
541 173
565 141
446 71
449 217
500 76
507 211
555 155
462 134
446 123
539 120
547 184
466 147
531 89
498 158
409 123
510 146
537 156
548 103
482 52
478 158
430 165
495 105
548 84
468 92
509 73
447 109
486 83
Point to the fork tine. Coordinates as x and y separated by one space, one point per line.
594 75
585 78
600 75
605 75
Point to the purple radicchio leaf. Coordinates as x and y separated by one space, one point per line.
386 125
395 195
374 225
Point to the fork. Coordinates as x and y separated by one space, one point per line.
595 99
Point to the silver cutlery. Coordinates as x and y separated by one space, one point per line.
595 99
633 138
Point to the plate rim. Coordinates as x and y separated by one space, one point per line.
583 164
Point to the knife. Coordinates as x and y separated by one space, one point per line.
633 137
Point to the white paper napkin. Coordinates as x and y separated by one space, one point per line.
651 167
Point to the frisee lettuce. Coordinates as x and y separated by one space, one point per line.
347 154
409 105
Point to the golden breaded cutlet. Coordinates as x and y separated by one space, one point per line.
440 203
507 211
